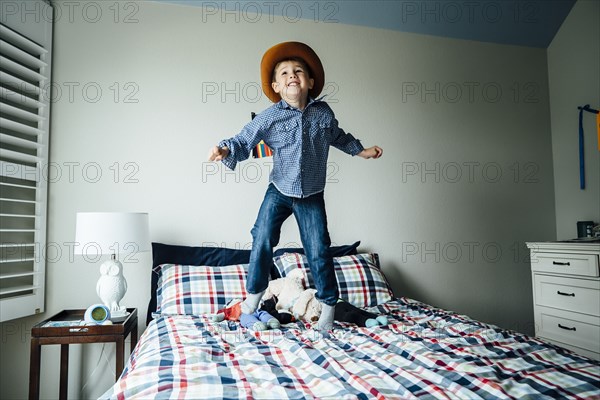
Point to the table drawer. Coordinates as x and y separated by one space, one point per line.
578 330
561 263
572 294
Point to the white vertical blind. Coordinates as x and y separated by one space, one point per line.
24 130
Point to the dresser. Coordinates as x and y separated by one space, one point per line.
566 294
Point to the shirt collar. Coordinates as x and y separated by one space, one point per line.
284 105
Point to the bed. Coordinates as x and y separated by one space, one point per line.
424 351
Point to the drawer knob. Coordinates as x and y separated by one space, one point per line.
561 263
565 294
567 328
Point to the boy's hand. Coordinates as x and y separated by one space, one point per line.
371 152
218 153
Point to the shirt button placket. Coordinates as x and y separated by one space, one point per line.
303 127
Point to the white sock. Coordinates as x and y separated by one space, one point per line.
326 318
251 303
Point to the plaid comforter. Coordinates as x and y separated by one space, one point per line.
424 352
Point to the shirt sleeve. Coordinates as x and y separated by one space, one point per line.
344 141
240 146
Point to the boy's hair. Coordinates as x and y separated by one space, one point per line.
298 60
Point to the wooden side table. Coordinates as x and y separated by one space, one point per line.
41 334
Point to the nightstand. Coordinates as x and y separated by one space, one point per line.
566 294
43 334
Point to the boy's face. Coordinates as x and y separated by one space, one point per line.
292 82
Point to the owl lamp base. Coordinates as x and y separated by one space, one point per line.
119 316
111 288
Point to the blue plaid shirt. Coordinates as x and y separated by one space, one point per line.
300 142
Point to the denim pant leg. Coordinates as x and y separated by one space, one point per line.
275 209
312 221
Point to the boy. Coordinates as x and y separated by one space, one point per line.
299 128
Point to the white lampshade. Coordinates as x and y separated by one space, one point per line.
111 233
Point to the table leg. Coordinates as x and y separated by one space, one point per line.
34 370
64 371
120 357
133 337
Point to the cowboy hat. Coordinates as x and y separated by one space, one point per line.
285 51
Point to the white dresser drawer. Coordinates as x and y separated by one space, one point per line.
569 264
572 294
578 330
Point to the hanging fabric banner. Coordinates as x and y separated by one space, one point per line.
261 149
598 129
581 146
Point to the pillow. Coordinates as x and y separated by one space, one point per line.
336 251
213 256
198 290
186 255
360 281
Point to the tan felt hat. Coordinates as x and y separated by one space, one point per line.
285 51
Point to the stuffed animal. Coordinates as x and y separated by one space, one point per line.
307 307
259 321
291 296
286 289
283 316
231 312
346 312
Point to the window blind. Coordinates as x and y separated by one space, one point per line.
24 135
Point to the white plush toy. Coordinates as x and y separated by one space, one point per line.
291 296
307 307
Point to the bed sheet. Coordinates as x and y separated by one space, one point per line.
423 352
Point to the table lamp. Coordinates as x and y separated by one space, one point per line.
114 233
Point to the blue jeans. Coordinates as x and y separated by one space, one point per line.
312 222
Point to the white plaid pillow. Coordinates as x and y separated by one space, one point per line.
198 290
360 281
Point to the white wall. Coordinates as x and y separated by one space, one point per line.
465 179
573 65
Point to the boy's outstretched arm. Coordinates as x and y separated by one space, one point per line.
218 153
238 148
371 152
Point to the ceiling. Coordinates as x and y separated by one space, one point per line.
530 23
